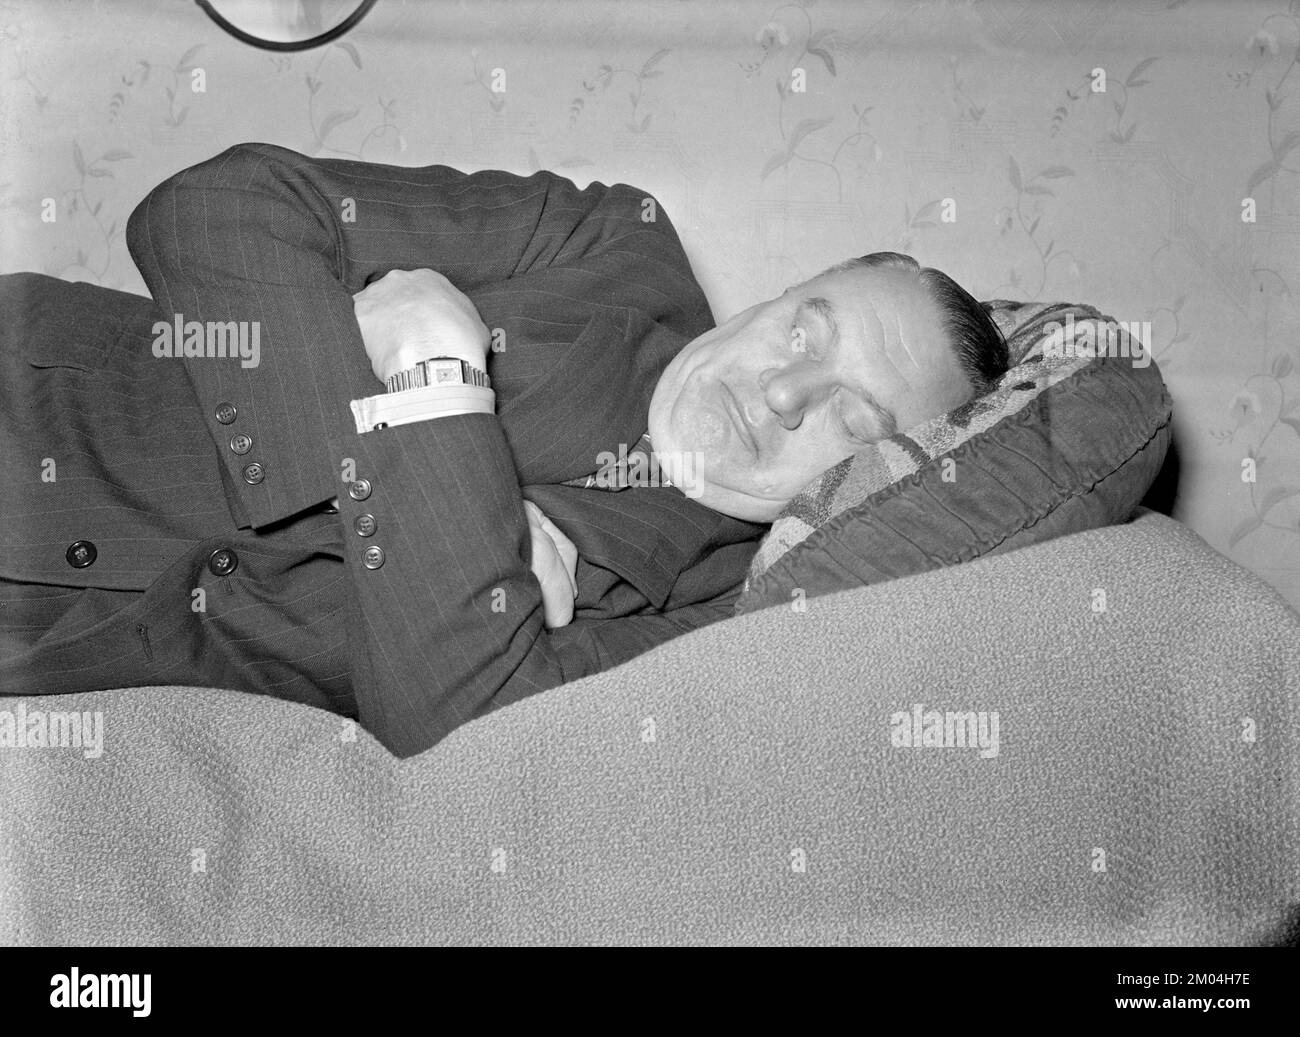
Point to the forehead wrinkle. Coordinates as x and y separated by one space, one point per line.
903 341
884 347
884 341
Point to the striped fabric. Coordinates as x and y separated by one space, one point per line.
413 608
854 480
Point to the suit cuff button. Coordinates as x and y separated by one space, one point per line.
360 489
365 525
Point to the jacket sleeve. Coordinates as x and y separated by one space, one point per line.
278 243
448 618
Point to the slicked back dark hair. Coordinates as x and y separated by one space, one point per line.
981 350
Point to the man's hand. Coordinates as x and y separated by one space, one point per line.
411 315
555 564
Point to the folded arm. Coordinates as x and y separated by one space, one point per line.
449 618
265 235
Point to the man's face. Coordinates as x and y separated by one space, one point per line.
788 388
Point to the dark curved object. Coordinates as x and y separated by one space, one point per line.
281 45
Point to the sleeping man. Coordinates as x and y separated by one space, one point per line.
419 503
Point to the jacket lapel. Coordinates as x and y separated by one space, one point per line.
563 403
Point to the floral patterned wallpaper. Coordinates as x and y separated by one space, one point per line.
1141 157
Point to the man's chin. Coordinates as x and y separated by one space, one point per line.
693 475
739 505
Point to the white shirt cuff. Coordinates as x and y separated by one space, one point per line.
423 404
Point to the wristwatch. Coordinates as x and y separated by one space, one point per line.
438 370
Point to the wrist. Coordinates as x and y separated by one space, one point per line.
405 359
409 356
448 372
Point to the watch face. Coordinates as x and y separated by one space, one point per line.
445 372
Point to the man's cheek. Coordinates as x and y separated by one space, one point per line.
690 477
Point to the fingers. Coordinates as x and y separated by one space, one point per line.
422 280
554 571
564 547
557 593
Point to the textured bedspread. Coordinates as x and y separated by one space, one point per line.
749 782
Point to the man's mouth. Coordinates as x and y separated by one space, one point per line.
732 406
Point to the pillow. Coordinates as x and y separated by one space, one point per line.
1071 438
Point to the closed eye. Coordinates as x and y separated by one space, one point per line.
855 437
798 338
802 343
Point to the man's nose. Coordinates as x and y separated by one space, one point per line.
791 391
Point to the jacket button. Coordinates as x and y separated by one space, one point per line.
240 443
360 489
81 554
254 473
365 525
373 558
226 413
222 561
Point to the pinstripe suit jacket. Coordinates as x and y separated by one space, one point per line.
593 299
